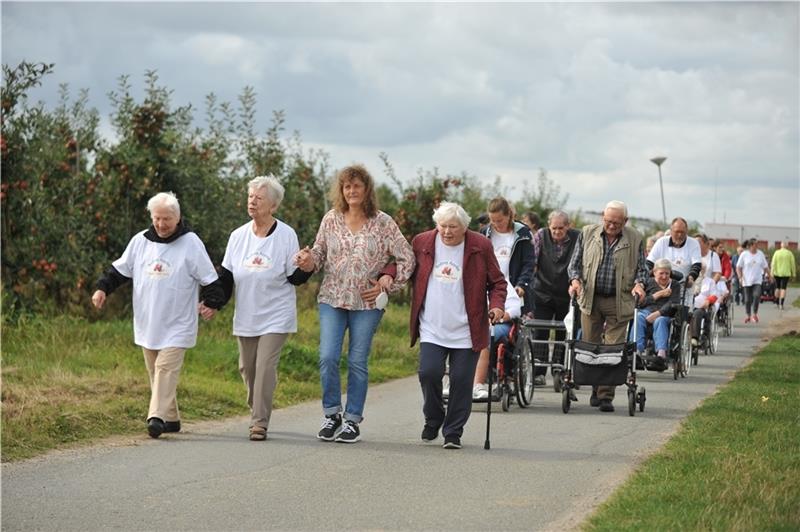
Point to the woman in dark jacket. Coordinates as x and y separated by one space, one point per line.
456 274
512 244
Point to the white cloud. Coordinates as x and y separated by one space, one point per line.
588 91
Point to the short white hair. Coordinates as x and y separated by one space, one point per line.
271 185
558 213
616 205
165 199
662 264
447 211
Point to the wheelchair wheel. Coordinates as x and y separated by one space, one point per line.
641 397
565 401
685 358
505 400
713 337
729 320
523 376
631 402
557 381
446 383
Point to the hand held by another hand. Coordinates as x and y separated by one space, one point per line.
98 299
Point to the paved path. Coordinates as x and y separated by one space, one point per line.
545 471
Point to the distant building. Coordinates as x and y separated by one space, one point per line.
768 236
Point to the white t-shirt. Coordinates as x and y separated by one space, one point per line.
708 288
443 320
166 288
265 299
681 258
752 266
502 244
716 265
513 302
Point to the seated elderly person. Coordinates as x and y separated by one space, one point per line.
661 302
707 298
513 309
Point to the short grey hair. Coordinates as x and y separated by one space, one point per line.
557 213
662 264
271 185
164 199
447 211
616 205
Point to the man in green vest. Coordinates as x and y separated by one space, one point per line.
607 268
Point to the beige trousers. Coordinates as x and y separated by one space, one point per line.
164 369
258 365
604 313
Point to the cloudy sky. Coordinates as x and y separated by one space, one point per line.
589 92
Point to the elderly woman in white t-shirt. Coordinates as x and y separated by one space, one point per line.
457 274
259 263
168 264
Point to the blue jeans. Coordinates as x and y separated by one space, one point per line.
501 331
660 331
333 322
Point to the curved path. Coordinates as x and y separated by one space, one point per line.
545 470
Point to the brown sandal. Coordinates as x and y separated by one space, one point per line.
258 433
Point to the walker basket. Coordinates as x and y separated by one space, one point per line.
601 365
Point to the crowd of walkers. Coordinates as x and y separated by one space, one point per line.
462 282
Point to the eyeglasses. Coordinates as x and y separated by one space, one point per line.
613 222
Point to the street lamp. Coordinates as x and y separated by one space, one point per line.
658 161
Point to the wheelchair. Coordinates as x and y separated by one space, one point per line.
511 369
511 364
708 342
725 317
679 353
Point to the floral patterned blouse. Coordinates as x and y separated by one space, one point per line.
350 259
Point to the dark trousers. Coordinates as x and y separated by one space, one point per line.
699 317
432 360
549 310
738 293
603 326
752 297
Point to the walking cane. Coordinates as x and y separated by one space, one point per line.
489 399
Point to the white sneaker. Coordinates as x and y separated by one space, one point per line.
480 391
540 380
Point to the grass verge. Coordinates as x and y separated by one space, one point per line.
67 380
734 464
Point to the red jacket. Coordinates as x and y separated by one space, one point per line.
725 262
481 277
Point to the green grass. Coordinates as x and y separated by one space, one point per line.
734 464
67 380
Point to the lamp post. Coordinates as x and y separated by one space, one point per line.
658 161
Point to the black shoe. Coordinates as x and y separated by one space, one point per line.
593 400
349 432
172 426
155 427
429 433
329 427
452 442
606 406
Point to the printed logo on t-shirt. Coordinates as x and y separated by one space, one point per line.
447 272
258 262
502 252
158 269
